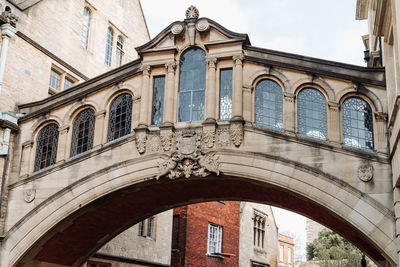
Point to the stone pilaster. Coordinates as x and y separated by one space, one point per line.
7 32
381 135
145 98
26 158
62 143
237 97
170 93
334 122
289 119
99 129
211 93
247 103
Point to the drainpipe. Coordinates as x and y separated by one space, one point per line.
7 32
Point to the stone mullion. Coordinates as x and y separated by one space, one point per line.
247 103
211 93
334 123
169 94
237 106
380 132
26 158
99 130
289 113
145 98
62 143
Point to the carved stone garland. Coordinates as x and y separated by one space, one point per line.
236 133
188 159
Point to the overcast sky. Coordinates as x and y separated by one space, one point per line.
318 28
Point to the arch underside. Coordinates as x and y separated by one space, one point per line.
83 230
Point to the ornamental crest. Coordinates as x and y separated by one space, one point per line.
237 133
188 142
208 137
141 139
29 195
366 172
192 13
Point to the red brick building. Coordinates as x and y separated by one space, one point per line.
286 247
204 234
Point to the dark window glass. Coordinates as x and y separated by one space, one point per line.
268 107
158 101
120 117
225 95
357 124
46 150
311 110
192 84
109 44
83 132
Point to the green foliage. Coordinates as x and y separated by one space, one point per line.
332 250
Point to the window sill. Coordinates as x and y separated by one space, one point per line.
215 256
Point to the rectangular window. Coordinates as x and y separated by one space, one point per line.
54 80
225 94
158 100
259 221
68 83
145 228
214 241
120 52
289 256
280 253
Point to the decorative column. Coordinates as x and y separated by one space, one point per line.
381 138
247 105
144 102
289 114
98 138
170 93
211 90
62 143
334 122
26 154
237 97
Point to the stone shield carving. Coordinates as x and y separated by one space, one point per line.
29 195
366 172
188 159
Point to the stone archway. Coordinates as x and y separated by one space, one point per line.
87 214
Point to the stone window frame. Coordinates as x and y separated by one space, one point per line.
109 106
119 50
218 92
91 133
145 231
260 224
86 23
109 46
113 46
155 76
63 76
36 147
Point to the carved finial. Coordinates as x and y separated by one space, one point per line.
192 13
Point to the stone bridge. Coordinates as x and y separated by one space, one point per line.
202 115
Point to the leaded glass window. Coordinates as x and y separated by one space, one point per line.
46 149
225 94
268 105
109 44
83 131
311 110
158 100
357 124
120 52
192 84
85 28
119 123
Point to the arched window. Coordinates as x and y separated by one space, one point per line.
311 110
109 44
119 123
120 52
82 132
85 28
46 149
357 124
268 107
192 84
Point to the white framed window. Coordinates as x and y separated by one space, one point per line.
119 52
280 253
289 255
54 80
146 228
85 28
214 240
109 44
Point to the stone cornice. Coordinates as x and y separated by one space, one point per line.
357 74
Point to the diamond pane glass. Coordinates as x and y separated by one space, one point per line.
268 106
357 124
311 110
46 149
158 101
225 95
120 117
192 84
83 132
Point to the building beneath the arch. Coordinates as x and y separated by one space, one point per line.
201 115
